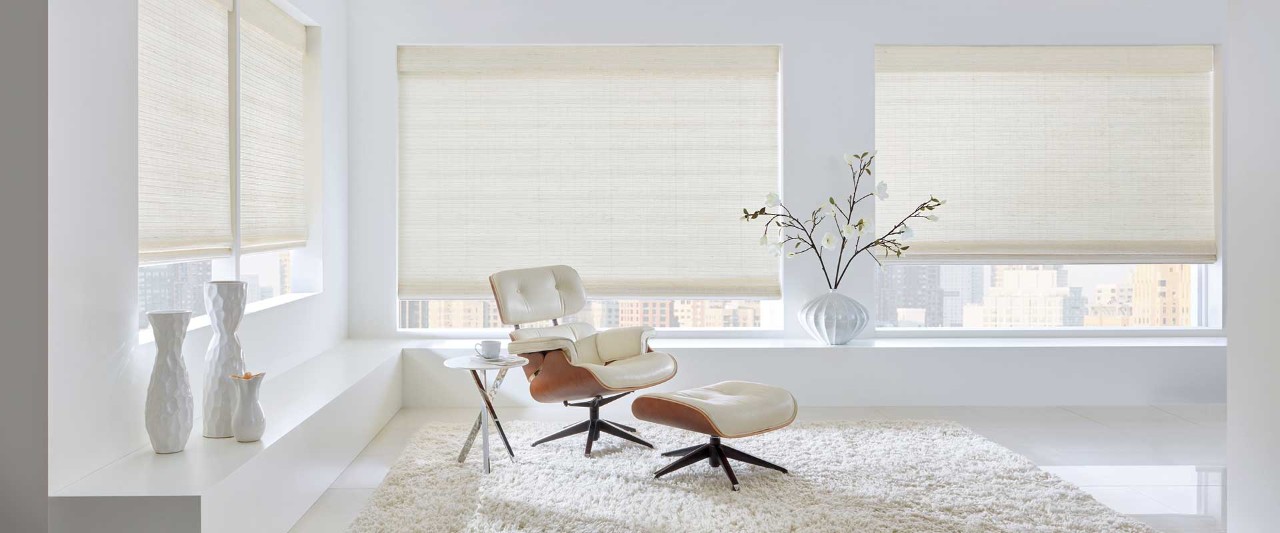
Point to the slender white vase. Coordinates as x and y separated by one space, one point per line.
169 408
225 302
248 423
833 318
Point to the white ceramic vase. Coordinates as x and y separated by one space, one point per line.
833 318
169 403
225 302
248 423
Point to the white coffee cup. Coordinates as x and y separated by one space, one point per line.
489 349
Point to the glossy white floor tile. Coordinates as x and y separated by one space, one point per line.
1161 464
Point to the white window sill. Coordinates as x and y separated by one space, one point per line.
674 344
987 342
146 336
477 334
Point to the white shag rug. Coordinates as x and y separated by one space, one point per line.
871 476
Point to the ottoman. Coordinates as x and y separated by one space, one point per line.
729 409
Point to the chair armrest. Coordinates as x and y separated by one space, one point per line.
621 343
543 345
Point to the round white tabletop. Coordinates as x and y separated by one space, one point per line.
475 362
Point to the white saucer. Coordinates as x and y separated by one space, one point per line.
505 361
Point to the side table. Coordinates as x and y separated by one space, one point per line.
479 369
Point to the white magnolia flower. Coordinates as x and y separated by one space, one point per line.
907 232
852 160
848 231
764 239
882 191
772 200
829 241
932 218
775 249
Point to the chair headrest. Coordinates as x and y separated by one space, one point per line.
534 294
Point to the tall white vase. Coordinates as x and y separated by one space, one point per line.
833 318
225 302
248 422
169 403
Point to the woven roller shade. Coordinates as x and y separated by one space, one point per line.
1091 154
630 163
184 157
273 53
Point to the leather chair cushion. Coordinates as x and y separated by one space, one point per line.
616 343
537 294
726 409
635 372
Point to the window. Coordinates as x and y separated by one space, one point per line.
712 314
1040 296
219 198
1079 184
1050 154
625 162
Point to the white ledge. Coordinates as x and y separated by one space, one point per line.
461 345
944 343
288 399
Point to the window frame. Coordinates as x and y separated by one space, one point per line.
306 262
1211 297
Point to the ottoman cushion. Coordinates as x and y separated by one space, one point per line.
727 409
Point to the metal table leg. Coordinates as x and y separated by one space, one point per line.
480 418
487 413
493 413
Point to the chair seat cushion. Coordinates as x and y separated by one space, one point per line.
726 409
635 372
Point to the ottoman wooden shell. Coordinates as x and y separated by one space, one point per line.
729 409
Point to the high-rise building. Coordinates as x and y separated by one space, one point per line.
1028 297
173 286
1162 295
1111 306
910 287
656 313
458 313
961 285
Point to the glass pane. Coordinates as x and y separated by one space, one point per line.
267 274
172 286
1039 296
599 313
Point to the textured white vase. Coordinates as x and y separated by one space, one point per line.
833 318
169 404
225 302
248 423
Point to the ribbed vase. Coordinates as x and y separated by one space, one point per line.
225 302
833 318
169 409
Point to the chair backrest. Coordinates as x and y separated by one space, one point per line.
535 294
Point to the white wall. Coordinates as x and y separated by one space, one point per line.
97 372
827 82
23 208
1252 186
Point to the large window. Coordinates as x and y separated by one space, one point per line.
1038 296
626 162
222 177
1080 185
